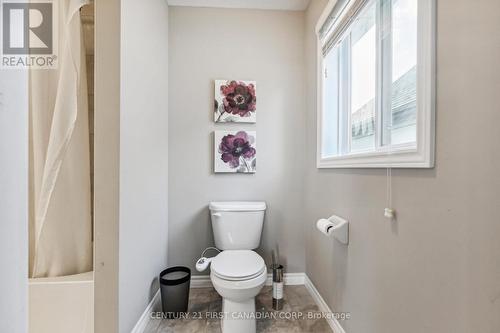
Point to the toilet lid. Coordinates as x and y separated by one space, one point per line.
237 265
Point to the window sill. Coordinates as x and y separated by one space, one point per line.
407 157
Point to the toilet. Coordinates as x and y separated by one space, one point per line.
238 273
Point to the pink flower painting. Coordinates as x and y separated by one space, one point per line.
235 152
235 101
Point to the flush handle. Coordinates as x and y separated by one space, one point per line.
217 214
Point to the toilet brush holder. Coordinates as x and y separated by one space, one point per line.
277 287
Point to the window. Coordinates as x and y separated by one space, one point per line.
376 84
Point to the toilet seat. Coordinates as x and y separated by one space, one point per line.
237 265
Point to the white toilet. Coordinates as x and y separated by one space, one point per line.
238 273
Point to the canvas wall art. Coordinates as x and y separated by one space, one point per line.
235 151
235 101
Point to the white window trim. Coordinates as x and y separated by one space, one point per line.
420 155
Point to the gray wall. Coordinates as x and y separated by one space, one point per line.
266 46
437 268
14 200
143 155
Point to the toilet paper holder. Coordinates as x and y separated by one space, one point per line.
336 226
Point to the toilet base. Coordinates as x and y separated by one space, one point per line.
238 316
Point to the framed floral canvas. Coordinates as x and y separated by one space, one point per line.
235 151
235 101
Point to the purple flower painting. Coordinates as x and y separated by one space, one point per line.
235 101
235 151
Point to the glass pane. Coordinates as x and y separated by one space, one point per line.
363 71
404 72
330 124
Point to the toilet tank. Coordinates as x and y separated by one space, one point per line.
237 225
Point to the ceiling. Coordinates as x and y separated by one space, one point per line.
250 4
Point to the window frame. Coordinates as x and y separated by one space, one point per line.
418 154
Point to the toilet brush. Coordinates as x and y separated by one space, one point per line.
277 282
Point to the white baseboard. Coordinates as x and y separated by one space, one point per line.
200 281
203 281
290 279
154 305
323 307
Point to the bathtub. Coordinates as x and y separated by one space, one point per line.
62 304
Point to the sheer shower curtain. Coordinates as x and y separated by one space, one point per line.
61 227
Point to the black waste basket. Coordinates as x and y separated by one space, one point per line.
174 284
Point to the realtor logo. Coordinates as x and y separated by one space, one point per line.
28 34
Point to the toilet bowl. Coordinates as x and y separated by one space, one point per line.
237 273
238 276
